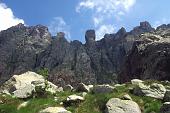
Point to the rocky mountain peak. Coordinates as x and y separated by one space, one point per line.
144 27
39 31
145 24
26 48
163 27
120 33
90 36
20 25
60 35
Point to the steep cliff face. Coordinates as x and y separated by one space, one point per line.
128 53
150 57
19 47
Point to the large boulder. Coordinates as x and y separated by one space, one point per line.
116 105
155 90
23 86
103 89
54 110
136 81
24 92
165 108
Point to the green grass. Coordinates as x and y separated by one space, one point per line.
94 103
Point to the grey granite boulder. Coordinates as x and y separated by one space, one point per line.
154 90
103 89
116 105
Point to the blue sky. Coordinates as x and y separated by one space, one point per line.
74 17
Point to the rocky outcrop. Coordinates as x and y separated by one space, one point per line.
116 105
154 90
141 53
20 46
24 85
149 57
33 48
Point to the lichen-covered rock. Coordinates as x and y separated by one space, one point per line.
155 90
136 81
116 105
73 98
23 86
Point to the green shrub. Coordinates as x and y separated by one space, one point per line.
44 72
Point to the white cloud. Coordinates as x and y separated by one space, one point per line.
160 22
104 11
59 25
103 30
105 8
7 18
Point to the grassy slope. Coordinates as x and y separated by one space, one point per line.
94 103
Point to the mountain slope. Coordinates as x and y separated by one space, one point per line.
33 48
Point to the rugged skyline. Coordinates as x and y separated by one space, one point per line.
74 17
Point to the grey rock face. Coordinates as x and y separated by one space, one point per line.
144 27
32 48
90 36
149 57
116 105
20 46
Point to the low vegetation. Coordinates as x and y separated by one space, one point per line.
94 103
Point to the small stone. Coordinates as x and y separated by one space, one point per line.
84 94
61 103
74 98
1 102
54 110
126 97
24 104
68 88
